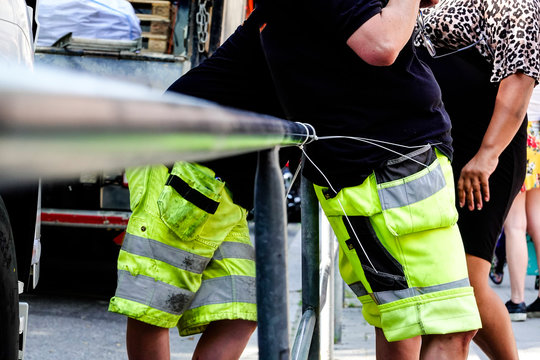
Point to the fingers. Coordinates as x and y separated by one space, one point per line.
477 192
485 190
472 191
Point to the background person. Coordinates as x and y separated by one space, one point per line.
492 66
186 265
524 218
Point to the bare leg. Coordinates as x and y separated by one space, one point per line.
515 228
146 342
408 349
446 346
496 338
224 340
533 222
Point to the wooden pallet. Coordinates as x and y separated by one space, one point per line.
155 23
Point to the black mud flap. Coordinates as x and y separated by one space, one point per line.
9 291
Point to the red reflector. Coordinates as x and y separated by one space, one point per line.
84 218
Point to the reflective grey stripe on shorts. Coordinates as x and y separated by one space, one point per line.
385 297
156 294
226 289
234 250
153 249
412 191
358 289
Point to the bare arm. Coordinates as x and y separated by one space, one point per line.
510 108
380 39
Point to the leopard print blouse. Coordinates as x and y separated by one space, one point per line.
506 32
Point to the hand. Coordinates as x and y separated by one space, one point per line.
473 183
428 3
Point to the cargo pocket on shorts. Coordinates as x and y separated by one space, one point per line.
191 194
413 193
382 271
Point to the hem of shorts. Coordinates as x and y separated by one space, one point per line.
199 325
397 334
148 319
469 320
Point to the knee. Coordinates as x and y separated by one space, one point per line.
463 339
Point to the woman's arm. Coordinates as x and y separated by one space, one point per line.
510 108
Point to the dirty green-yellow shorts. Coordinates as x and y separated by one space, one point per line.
187 259
400 249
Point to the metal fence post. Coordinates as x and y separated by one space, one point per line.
271 258
338 301
310 260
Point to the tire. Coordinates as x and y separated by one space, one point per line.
9 291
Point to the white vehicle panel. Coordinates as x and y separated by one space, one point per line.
16 46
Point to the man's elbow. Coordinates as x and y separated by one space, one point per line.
376 54
379 56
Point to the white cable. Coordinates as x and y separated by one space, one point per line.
342 209
373 142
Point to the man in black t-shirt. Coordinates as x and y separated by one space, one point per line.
380 166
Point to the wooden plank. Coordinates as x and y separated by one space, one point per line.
158 8
159 2
150 17
154 36
159 46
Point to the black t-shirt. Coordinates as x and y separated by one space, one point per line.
321 81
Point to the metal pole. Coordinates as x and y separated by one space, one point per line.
338 300
271 258
310 259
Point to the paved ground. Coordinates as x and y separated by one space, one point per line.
82 329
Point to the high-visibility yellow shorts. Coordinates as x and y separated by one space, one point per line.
400 249
187 259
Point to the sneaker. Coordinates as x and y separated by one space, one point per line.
533 310
518 312
496 273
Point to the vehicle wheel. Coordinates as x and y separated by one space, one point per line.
9 291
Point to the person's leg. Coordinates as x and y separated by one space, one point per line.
403 350
145 341
452 346
516 248
496 337
533 221
224 340
446 346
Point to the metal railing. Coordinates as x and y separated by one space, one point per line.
58 124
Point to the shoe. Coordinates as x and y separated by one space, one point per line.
496 273
496 277
533 310
518 312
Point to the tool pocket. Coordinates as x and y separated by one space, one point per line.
190 196
416 193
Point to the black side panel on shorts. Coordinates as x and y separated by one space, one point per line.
382 271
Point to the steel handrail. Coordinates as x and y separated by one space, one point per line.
57 124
